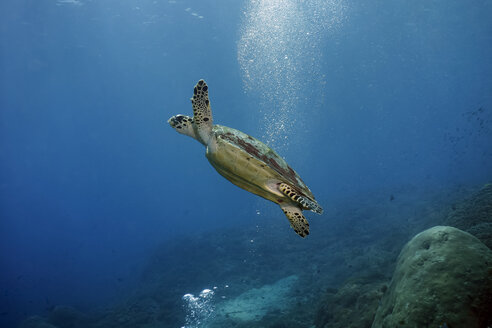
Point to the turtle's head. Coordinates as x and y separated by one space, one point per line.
183 124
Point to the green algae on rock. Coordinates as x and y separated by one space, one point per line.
443 275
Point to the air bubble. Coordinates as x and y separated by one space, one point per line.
278 37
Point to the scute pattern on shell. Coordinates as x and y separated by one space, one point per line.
265 154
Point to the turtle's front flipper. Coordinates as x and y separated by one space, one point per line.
297 221
202 112
304 201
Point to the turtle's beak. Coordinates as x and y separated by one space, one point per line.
180 120
177 121
183 124
172 121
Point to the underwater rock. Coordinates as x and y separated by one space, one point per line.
59 317
67 317
443 276
474 215
254 304
353 305
139 312
36 322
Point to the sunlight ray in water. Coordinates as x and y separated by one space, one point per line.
280 45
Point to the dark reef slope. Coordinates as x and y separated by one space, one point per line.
335 278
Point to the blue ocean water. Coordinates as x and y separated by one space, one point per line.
358 97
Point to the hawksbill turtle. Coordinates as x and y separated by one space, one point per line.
247 162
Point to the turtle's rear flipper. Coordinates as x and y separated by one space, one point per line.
297 221
304 201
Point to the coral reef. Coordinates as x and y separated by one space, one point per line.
474 215
136 312
67 317
443 276
353 305
334 278
36 322
254 304
60 316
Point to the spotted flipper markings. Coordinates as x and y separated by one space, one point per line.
304 201
201 105
297 221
